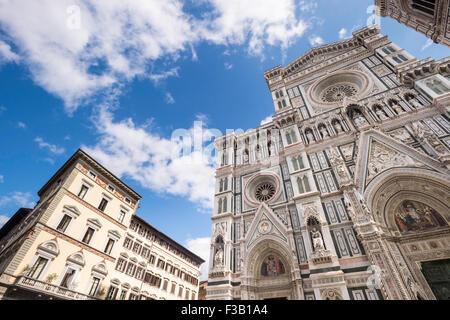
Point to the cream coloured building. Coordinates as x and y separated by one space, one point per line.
345 193
151 265
68 246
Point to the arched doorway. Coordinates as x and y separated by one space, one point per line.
269 273
412 208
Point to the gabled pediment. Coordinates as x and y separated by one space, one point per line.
265 224
380 152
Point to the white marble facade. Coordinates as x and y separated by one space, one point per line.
345 194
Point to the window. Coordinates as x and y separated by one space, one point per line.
84 189
180 292
145 252
160 264
281 93
186 296
132 296
68 277
139 273
277 94
103 204
166 282
402 57
284 102
385 50
92 175
279 105
137 248
64 223
109 246
36 270
297 163
112 292
396 59
88 235
94 286
130 269
193 295
127 243
152 259
121 263
127 200
123 295
303 184
172 290
111 189
121 216
424 6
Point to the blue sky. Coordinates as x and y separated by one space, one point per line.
117 78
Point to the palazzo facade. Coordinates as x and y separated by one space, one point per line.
83 241
429 17
345 194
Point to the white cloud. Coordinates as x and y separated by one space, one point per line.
308 6
3 220
22 199
155 162
228 66
2 178
343 33
51 147
118 40
21 125
6 54
169 98
428 43
266 120
201 246
271 22
316 41
158 77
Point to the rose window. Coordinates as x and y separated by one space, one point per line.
265 191
338 92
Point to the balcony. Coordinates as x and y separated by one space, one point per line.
51 289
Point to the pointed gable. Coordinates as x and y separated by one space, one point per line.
380 152
266 224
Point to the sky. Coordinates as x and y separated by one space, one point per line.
136 83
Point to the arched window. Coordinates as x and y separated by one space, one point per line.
279 105
225 184
284 103
402 57
220 206
288 137
277 95
281 93
306 183
224 205
396 59
391 49
297 163
425 6
301 189
385 50
221 185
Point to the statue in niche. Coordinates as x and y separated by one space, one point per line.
317 239
218 257
398 108
324 132
413 216
381 114
310 136
412 100
272 266
337 126
359 119
246 156
425 133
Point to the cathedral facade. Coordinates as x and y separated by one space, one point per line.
345 194
429 17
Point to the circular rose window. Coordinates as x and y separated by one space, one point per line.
334 88
338 92
265 191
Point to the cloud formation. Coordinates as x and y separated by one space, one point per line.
166 166
51 147
200 246
17 198
75 49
